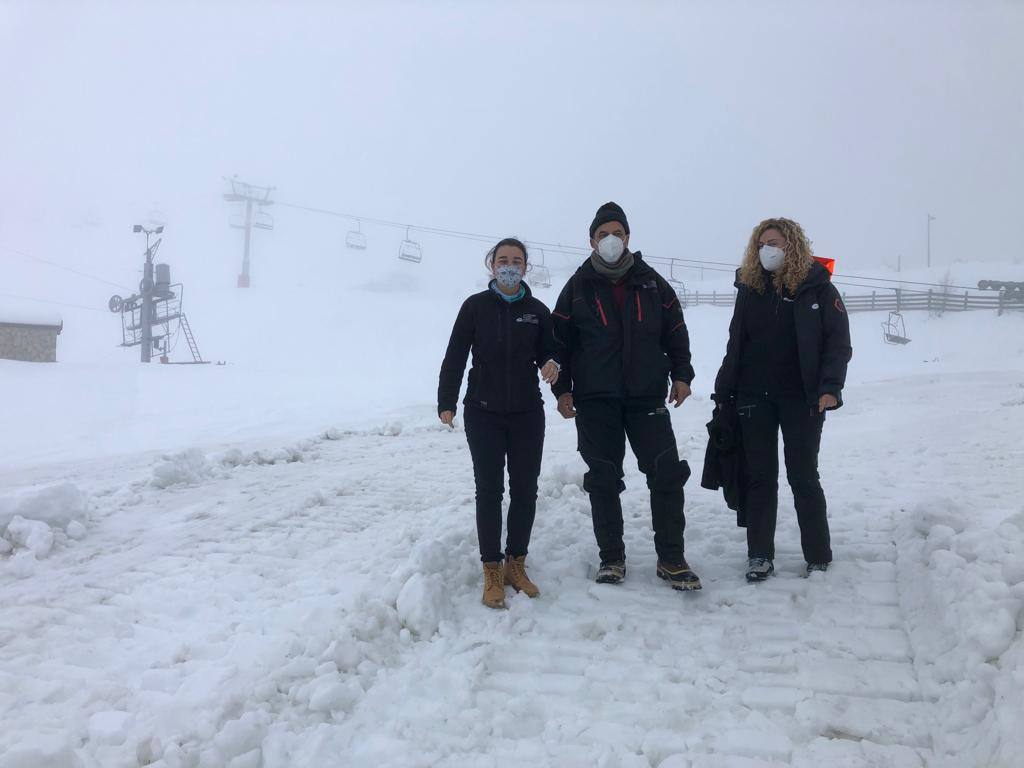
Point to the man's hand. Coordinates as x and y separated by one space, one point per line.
827 401
447 417
565 406
549 372
680 391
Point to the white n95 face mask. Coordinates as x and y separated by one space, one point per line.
610 249
771 257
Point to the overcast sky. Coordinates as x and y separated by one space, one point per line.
854 118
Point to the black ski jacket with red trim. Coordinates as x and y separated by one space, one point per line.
606 352
509 341
822 337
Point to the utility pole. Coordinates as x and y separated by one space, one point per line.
930 220
146 289
255 199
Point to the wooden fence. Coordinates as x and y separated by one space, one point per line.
895 300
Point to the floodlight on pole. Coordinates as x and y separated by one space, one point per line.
929 252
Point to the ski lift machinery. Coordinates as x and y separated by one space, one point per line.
355 237
540 275
410 250
894 330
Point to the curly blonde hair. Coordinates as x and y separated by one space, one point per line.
797 263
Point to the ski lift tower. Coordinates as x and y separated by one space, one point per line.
255 199
157 305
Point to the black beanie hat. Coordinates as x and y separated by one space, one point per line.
609 212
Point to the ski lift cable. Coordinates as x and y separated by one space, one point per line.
433 230
574 250
65 268
57 303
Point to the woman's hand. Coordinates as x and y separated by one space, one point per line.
827 401
565 406
447 417
549 372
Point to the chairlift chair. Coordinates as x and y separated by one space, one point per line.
540 275
894 330
355 238
263 220
410 250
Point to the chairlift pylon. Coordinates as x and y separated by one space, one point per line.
894 330
355 237
540 275
410 250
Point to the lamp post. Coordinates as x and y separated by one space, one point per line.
930 220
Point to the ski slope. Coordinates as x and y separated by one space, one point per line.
277 567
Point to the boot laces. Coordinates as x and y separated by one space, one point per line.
492 577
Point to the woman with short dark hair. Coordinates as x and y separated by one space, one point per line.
509 333
785 366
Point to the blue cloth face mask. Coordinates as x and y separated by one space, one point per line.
508 276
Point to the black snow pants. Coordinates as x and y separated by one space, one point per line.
760 420
602 426
492 437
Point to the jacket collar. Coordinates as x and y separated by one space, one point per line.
641 271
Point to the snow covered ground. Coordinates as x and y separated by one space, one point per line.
278 568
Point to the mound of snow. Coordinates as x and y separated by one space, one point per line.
28 521
185 468
421 604
56 505
964 594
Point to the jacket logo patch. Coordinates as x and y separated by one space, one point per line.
814 306
839 306
651 285
786 298
529 317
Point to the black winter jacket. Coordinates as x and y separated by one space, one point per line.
822 337
510 341
724 460
608 353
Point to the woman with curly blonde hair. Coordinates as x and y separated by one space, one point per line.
784 367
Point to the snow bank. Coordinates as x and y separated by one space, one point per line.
32 522
963 590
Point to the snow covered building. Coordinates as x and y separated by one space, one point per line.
31 338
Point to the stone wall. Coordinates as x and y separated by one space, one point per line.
31 343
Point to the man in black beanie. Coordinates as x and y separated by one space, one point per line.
622 340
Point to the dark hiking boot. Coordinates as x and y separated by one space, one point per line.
679 576
611 572
759 569
515 576
494 586
812 567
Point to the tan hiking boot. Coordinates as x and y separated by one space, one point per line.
494 586
515 576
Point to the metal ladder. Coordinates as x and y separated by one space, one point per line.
190 339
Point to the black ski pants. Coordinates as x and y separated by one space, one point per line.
602 427
492 437
760 419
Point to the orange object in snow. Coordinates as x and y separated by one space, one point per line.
829 264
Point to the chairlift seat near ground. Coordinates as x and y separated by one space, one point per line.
410 250
355 238
540 276
894 331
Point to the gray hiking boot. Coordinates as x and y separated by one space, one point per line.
759 569
611 572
